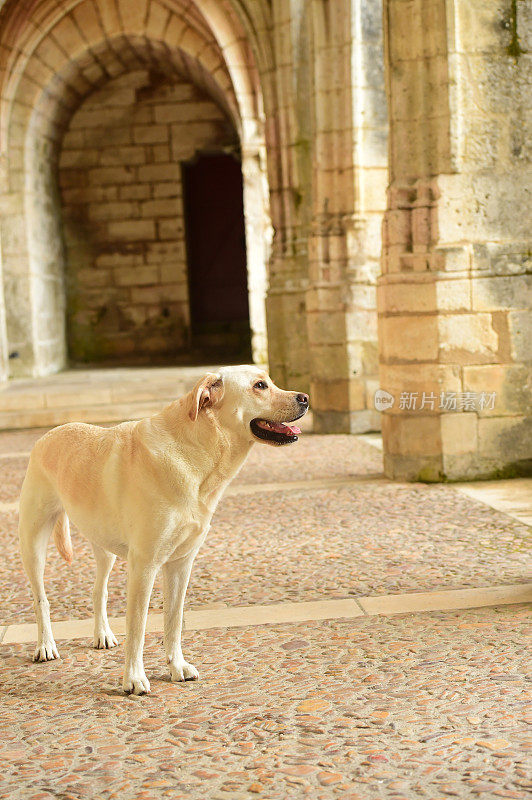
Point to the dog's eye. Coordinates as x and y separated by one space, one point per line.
261 385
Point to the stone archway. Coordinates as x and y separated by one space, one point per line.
70 52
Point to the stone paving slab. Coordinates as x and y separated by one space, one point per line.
404 707
201 619
514 497
220 615
413 602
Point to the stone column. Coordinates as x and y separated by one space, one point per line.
17 312
288 278
30 230
454 297
342 329
287 335
4 353
258 245
348 200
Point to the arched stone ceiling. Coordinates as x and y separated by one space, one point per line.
55 52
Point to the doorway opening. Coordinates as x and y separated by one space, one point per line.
216 256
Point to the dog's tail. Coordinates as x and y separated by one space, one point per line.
62 539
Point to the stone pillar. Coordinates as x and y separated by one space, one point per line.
454 297
18 321
30 230
4 353
286 314
258 245
342 329
288 274
348 201
17 286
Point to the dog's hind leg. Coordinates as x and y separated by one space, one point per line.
38 513
104 637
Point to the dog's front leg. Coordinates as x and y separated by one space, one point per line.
176 575
103 635
141 575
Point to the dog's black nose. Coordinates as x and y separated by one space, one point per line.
302 399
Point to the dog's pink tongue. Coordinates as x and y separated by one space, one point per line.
282 427
288 429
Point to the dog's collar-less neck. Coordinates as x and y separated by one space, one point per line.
222 460
223 452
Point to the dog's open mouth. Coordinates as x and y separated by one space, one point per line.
278 432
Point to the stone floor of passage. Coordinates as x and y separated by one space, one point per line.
429 705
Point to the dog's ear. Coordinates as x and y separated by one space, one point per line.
207 393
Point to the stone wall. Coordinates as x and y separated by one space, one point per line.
120 179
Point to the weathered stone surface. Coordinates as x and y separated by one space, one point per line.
459 433
468 338
457 210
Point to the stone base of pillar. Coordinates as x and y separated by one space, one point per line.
431 469
428 469
456 447
363 421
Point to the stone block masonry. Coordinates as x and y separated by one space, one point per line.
456 287
121 192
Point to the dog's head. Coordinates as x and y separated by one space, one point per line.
247 402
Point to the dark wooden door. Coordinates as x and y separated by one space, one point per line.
216 252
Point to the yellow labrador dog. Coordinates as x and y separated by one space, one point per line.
146 491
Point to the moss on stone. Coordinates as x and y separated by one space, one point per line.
518 469
514 49
429 475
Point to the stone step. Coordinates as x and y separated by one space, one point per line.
99 395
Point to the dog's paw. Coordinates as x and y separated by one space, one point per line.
136 682
182 671
104 639
46 651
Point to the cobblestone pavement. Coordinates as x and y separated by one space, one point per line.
412 706
372 537
422 706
